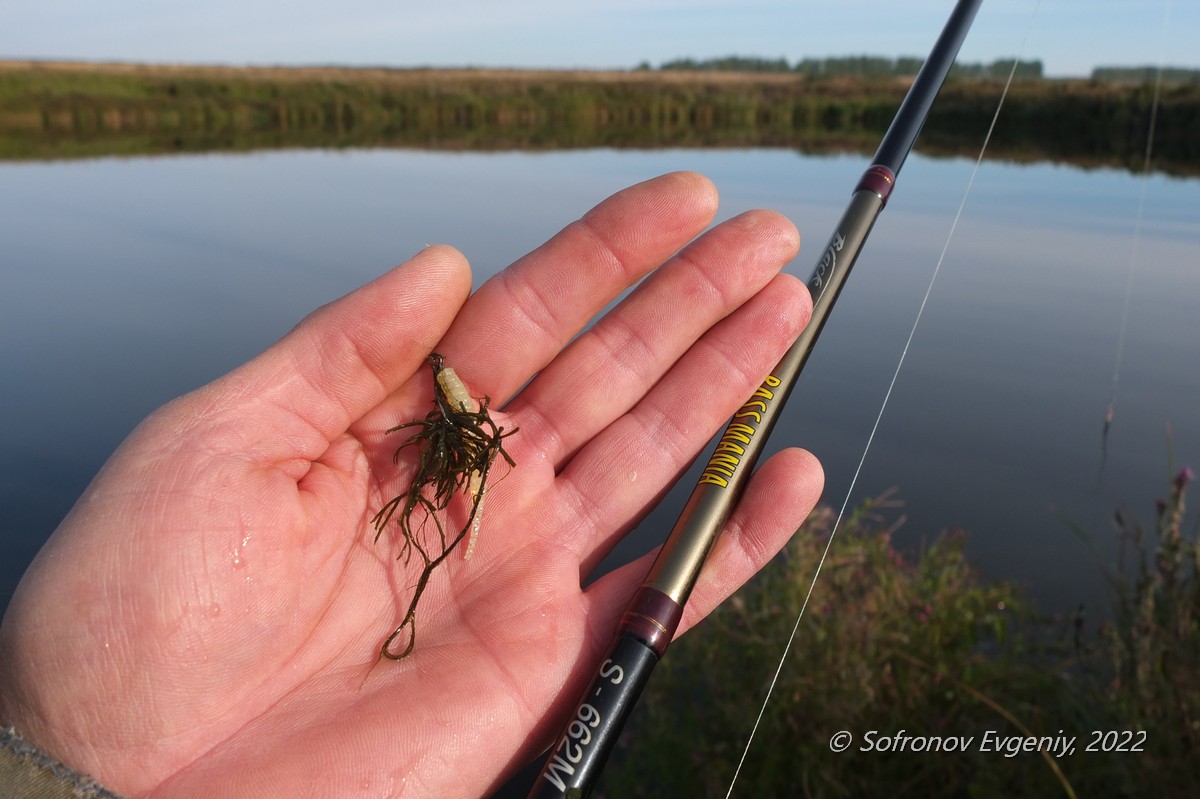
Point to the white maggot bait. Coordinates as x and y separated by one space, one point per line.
460 398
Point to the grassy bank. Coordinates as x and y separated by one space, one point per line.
50 110
923 647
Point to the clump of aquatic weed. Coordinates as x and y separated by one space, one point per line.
457 444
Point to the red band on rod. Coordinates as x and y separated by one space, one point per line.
652 617
878 179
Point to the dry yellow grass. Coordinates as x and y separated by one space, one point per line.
402 76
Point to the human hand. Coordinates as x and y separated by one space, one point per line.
206 620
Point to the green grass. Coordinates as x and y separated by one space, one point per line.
1154 640
924 645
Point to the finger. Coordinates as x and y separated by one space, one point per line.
617 477
341 360
521 318
611 366
776 503
778 499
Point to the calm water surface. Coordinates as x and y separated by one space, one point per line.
124 283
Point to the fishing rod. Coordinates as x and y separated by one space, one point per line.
648 625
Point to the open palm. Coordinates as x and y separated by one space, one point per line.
206 621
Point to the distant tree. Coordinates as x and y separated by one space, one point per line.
860 66
680 63
1145 75
731 63
1029 69
1000 68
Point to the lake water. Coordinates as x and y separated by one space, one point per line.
124 283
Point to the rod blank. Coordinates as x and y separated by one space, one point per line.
649 623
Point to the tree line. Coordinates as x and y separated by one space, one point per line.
862 66
1145 74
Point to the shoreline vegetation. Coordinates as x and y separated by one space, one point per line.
968 690
61 110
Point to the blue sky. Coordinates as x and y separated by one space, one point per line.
1069 36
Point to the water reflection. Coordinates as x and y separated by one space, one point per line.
128 282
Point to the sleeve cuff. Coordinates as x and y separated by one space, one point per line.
28 773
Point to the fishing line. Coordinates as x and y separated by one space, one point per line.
883 407
653 614
1131 271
